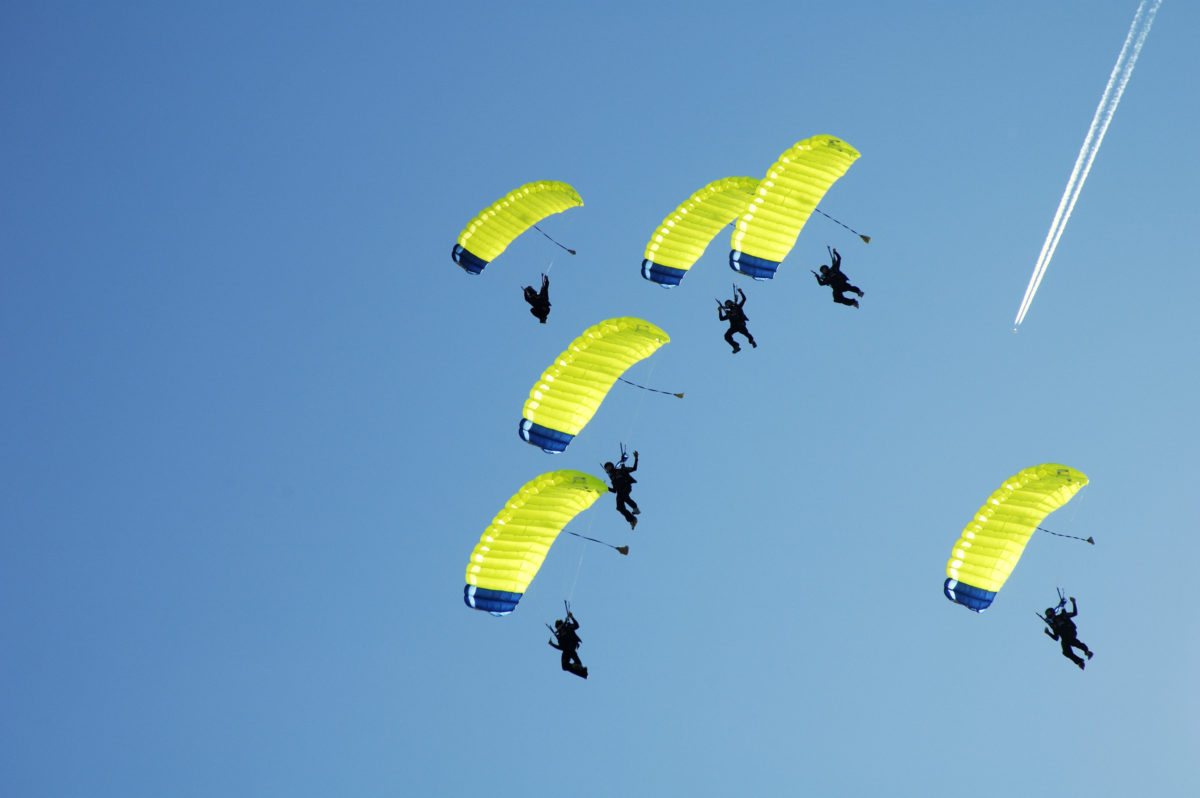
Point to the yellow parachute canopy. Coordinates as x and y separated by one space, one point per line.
783 201
684 235
570 391
512 548
993 541
499 224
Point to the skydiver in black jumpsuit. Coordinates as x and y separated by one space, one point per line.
1062 628
622 482
539 300
833 277
732 312
568 643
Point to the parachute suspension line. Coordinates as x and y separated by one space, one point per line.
582 552
653 390
866 239
1061 535
578 568
543 232
637 411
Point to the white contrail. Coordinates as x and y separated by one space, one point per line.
1122 70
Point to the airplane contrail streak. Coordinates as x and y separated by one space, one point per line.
1117 81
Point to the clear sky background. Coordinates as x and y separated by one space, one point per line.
254 418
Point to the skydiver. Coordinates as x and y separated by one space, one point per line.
833 277
568 643
1062 628
622 482
539 300
732 312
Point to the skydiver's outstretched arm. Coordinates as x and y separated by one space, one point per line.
742 301
1074 610
836 264
635 459
1051 634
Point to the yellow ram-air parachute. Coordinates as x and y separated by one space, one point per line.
683 236
993 541
512 548
498 225
785 198
570 391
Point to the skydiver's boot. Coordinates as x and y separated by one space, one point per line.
736 348
632 524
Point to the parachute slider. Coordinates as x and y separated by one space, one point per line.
620 549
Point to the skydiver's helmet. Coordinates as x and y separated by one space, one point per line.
609 466
824 269
558 624
729 303
1049 611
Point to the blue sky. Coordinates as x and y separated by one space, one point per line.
255 418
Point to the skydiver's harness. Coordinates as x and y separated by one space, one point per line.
568 632
1061 625
622 480
833 277
733 312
